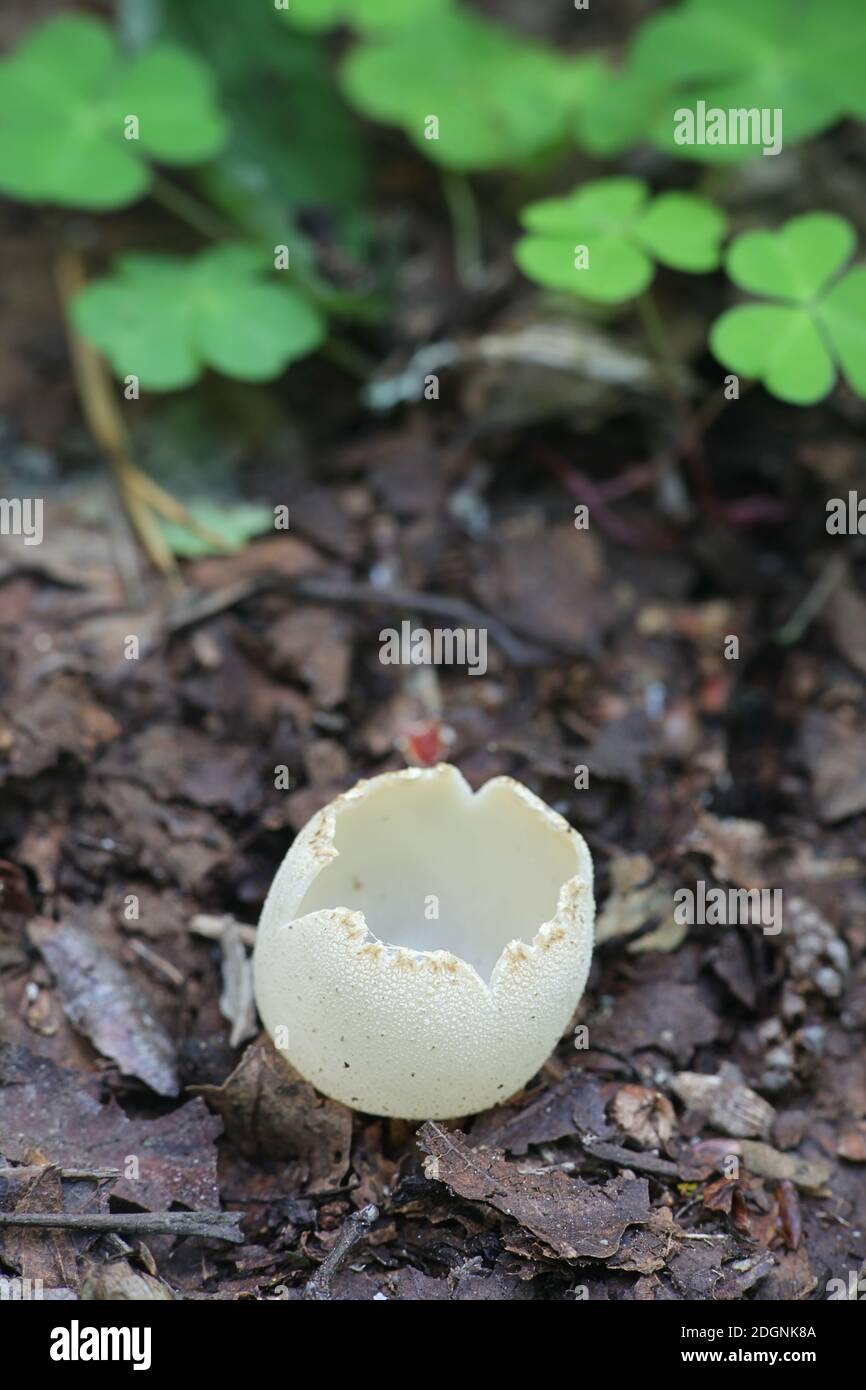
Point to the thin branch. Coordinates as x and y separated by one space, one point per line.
189 611
807 611
185 206
217 1225
355 1228
626 1158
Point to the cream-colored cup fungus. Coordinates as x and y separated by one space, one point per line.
422 948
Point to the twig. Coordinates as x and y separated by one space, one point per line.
89 1174
355 1228
143 499
805 613
218 1225
585 490
158 963
625 1158
215 928
519 653
321 588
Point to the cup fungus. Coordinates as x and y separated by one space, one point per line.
422 948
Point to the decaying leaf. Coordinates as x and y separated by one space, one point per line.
658 1014
48 1255
119 1281
738 849
767 1162
59 1114
727 1102
571 1218
272 1112
852 1142
644 1115
237 1001
638 901
645 1249
574 1105
104 1002
835 753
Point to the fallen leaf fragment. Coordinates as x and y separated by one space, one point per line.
835 754
118 1281
645 1115
727 1102
573 1105
237 1001
636 902
738 849
270 1111
103 1001
572 1218
58 1112
47 1255
852 1143
658 1014
767 1162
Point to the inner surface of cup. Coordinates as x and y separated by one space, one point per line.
434 868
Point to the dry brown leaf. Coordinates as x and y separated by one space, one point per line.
572 1218
104 1002
727 1102
270 1111
644 1115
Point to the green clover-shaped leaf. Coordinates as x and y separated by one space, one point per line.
623 232
806 61
470 94
66 97
360 14
235 522
818 320
615 110
164 319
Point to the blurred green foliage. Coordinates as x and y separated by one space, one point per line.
263 107
817 320
171 317
65 100
626 230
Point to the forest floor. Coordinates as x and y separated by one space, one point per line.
141 821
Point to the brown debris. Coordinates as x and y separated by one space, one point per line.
728 1104
58 1114
49 1256
571 1218
658 1014
105 1004
273 1113
834 751
643 1115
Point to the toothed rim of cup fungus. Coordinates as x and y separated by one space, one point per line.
423 947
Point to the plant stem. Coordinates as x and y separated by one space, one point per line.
190 209
822 590
660 345
345 355
466 227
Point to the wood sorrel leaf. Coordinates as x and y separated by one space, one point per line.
602 240
817 323
164 319
78 121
